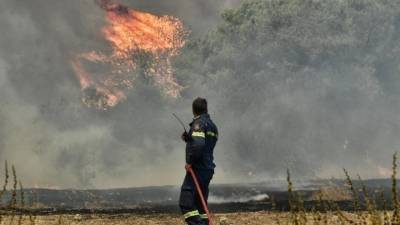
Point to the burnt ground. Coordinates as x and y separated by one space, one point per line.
223 198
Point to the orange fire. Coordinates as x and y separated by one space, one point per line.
134 36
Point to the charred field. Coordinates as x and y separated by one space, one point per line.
228 198
323 202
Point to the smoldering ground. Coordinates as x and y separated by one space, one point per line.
314 120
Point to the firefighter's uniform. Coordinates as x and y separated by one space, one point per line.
200 143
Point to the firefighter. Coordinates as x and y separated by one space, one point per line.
200 142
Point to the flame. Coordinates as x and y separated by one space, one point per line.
132 35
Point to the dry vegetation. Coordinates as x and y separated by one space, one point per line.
232 219
15 209
255 218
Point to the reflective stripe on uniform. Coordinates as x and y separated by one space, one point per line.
210 133
198 134
203 216
191 214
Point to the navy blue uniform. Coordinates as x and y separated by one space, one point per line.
200 143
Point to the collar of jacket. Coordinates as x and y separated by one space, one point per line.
200 116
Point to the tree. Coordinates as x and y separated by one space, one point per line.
300 78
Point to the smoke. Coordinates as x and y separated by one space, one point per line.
307 86
46 131
237 199
311 121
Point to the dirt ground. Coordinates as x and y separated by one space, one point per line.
255 218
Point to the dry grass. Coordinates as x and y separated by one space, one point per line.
255 218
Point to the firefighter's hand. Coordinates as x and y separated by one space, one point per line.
185 136
188 167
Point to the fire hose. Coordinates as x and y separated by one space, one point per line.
200 192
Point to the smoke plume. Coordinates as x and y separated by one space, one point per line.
320 100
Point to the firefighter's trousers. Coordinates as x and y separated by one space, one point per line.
189 200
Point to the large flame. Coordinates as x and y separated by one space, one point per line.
134 37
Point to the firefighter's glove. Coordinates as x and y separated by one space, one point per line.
185 136
188 167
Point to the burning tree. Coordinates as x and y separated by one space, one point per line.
130 33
